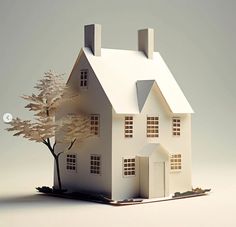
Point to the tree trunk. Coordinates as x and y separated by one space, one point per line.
58 172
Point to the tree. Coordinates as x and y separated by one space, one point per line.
52 93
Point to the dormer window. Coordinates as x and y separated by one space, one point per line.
84 78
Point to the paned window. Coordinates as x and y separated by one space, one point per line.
94 124
84 78
175 126
129 167
71 162
95 164
152 126
175 162
128 126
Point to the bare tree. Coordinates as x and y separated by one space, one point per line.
52 92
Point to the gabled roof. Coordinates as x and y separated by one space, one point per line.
149 148
143 90
127 77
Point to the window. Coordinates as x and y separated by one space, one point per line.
128 126
95 164
71 162
94 124
128 167
84 78
176 126
152 126
175 162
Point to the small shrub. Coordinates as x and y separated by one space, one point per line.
44 189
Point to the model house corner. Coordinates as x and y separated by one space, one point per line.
140 119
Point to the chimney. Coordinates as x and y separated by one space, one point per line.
92 38
146 41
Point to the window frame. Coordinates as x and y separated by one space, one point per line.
152 129
95 124
84 81
71 163
176 126
176 162
128 127
128 169
95 164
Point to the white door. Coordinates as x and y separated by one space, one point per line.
158 179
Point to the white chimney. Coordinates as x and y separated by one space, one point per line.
146 41
92 38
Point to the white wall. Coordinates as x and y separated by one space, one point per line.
144 177
178 181
113 146
93 101
125 187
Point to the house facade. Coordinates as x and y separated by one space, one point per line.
140 118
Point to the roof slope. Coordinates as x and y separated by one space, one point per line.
143 90
149 148
119 70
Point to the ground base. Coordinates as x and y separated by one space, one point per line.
102 199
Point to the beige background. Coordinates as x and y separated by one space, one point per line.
197 41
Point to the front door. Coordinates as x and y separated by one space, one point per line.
159 179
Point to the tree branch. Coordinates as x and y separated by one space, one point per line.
59 154
48 144
71 144
54 145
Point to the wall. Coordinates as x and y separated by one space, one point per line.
155 104
144 177
92 101
124 187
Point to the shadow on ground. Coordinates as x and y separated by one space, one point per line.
13 201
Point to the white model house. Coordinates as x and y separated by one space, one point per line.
141 118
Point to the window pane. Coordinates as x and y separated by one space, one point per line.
152 127
95 164
84 78
175 126
175 162
71 162
128 127
129 167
